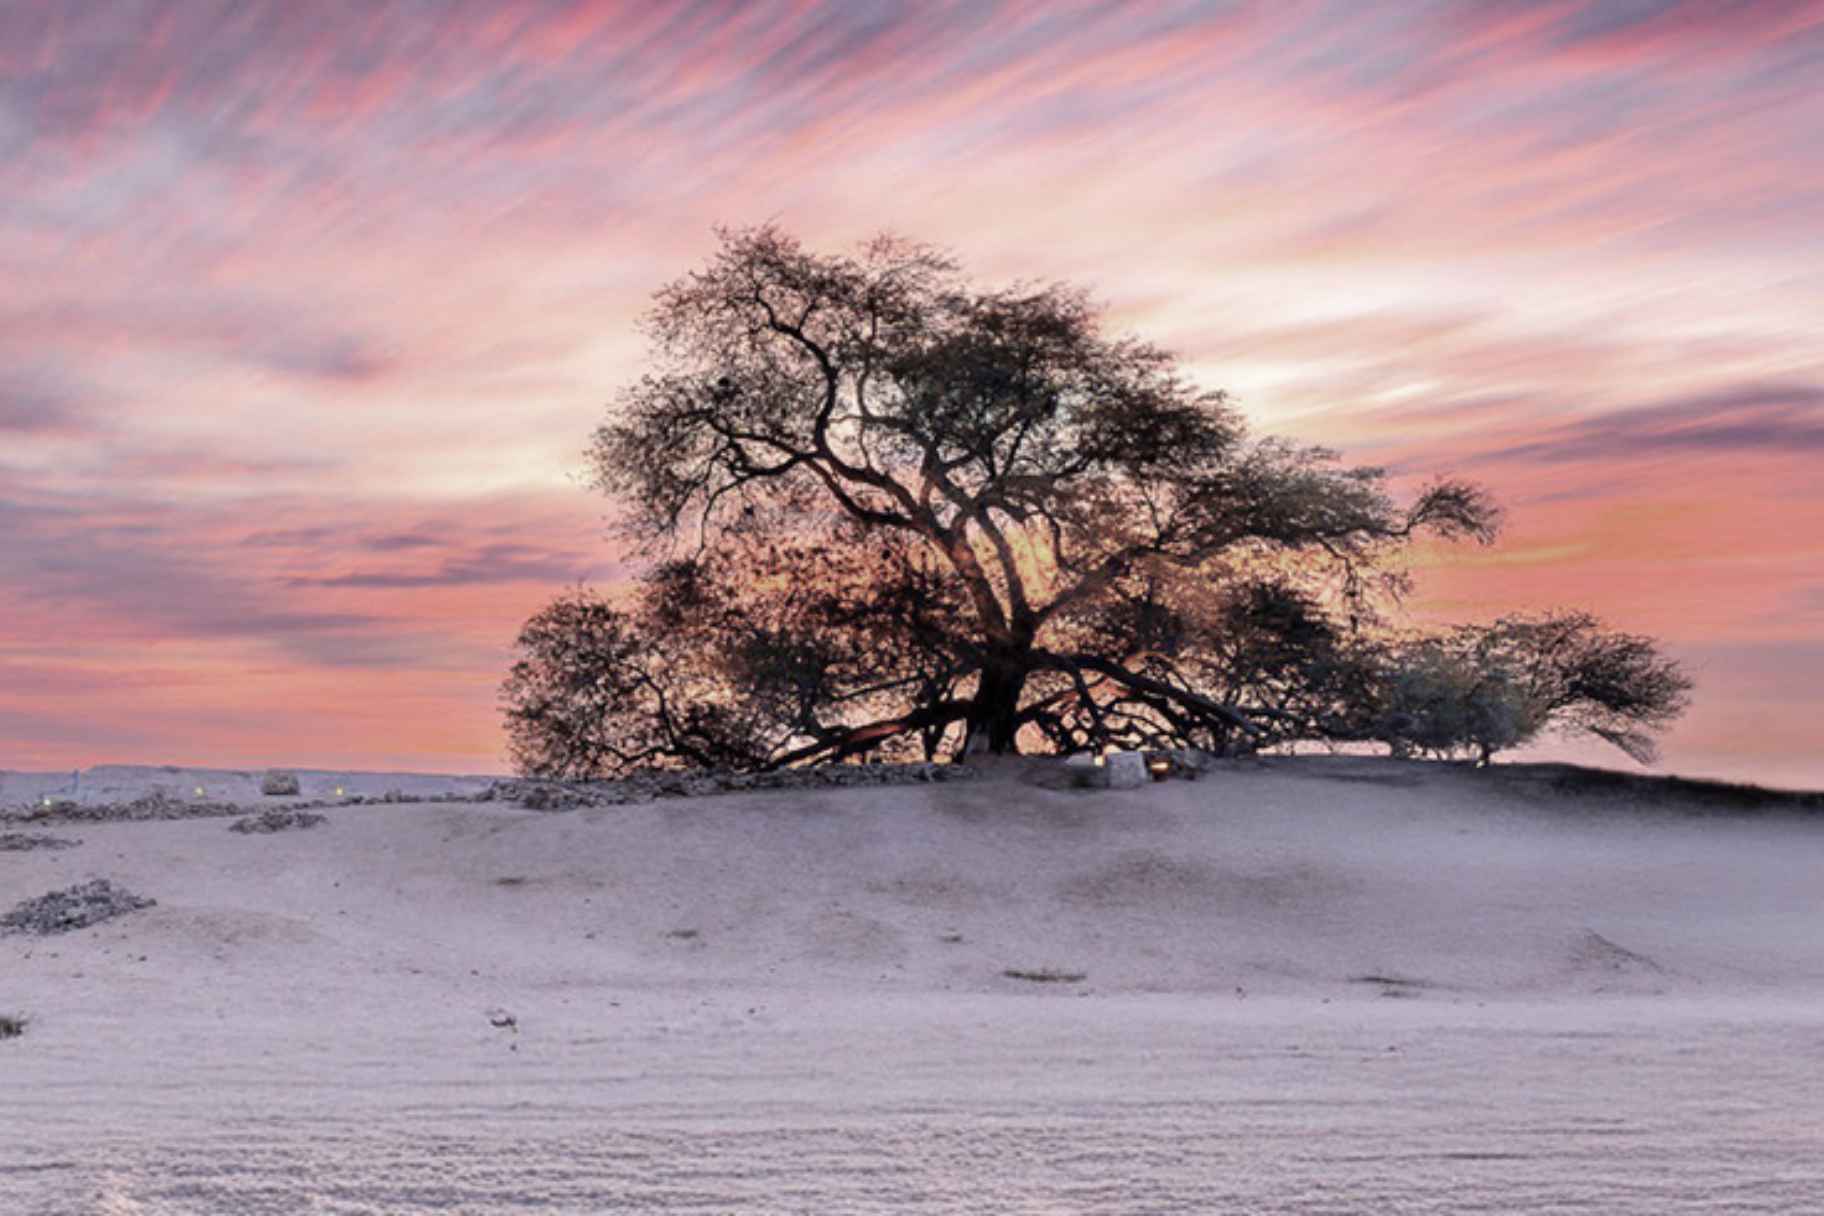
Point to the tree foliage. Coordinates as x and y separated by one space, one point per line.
1482 689
889 508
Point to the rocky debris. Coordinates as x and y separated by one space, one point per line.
533 793
276 819
279 784
12 1025
1045 975
539 795
25 842
159 804
72 908
395 796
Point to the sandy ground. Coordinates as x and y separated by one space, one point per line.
1322 986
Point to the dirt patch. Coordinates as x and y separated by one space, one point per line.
1394 780
1677 794
850 937
932 890
1593 952
1395 985
1144 879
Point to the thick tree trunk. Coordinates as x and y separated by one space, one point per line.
994 713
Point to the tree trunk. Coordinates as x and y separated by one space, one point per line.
994 713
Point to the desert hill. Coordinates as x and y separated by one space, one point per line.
1258 951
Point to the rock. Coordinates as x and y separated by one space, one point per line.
278 784
1126 770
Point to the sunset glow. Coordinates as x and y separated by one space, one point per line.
307 310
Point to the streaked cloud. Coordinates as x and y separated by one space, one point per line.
306 310
40 399
1783 419
485 566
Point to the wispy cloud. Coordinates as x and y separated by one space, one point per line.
1779 419
489 565
306 310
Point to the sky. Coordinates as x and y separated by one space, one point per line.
307 310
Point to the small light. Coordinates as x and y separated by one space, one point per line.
1101 760
199 791
338 791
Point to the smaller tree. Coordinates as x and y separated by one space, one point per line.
758 655
1485 688
1434 699
596 692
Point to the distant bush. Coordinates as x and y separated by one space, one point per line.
12 1025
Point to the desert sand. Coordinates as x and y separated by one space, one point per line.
1312 985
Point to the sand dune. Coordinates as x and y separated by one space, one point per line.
1318 985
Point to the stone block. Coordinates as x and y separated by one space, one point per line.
277 784
1126 770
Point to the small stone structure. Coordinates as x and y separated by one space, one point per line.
278 784
1126 770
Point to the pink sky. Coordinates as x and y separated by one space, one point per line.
307 310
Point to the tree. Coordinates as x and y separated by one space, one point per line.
1486 688
1434 699
1067 517
759 654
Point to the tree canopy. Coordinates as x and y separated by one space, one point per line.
889 509
1486 688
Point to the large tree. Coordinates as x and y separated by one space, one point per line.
1076 542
